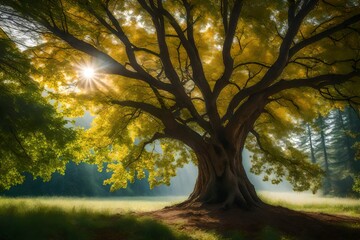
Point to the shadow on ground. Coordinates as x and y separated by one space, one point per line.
53 223
262 223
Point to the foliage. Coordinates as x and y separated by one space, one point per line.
80 180
174 77
356 186
33 135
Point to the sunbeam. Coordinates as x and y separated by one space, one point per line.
88 73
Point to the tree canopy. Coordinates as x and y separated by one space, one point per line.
195 80
33 135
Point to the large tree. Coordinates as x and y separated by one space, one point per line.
196 79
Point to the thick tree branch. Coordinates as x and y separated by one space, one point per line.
224 5
315 38
228 61
182 98
339 96
278 66
155 137
197 68
146 107
129 47
317 82
291 11
111 65
172 127
191 49
257 137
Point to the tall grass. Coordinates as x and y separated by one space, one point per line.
313 203
25 221
98 218
109 205
296 201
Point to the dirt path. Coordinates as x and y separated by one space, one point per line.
300 224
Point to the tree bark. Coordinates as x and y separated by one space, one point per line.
222 180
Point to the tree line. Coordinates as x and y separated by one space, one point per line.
84 180
331 141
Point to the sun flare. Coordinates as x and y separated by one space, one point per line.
88 73
90 77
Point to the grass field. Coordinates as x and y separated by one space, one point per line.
82 218
107 205
96 218
313 203
297 201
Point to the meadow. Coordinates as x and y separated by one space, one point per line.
313 203
118 218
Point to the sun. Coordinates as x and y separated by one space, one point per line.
90 77
88 73
87 76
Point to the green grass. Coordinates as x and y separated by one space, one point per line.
23 221
313 203
109 205
297 201
98 218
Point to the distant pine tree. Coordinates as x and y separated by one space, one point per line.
332 141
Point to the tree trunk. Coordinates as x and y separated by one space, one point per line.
349 159
313 159
327 183
222 180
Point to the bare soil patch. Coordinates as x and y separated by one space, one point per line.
301 225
